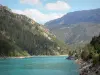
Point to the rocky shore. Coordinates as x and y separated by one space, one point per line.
87 68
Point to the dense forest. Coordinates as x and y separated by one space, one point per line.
92 50
20 35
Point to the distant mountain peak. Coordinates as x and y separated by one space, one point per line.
76 27
92 15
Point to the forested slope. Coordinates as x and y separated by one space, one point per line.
28 35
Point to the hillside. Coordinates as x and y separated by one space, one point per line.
91 57
76 27
27 35
77 33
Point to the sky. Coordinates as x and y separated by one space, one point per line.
45 10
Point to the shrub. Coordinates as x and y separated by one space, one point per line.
96 59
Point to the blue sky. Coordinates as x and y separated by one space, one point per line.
45 10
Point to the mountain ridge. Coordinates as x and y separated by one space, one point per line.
76 17
71 27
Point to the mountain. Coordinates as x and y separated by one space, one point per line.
76 27
92 16
20 35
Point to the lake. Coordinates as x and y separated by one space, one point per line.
38 65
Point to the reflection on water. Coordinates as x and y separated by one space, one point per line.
51 65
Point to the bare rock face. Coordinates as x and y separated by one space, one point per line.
87 68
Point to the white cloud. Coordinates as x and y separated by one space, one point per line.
59 5
31 2
38 16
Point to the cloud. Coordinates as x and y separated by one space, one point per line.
59 5
39 16
31 2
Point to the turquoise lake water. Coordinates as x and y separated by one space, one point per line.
39 65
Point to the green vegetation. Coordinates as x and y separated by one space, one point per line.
23 36
8 48
92 50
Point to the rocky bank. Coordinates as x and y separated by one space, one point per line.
87 68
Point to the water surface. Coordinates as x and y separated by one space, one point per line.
39 65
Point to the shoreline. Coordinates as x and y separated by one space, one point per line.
20 57
16 57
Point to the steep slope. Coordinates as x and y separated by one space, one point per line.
27 34
9 48
91 57
77 33
76 27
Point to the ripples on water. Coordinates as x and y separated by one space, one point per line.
47 65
